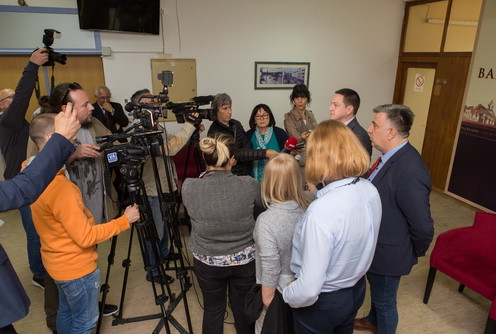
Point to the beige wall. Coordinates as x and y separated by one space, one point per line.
348 43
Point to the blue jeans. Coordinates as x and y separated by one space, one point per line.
78 304
333 312
33 243
162 231
383 311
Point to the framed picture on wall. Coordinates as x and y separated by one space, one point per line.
280 75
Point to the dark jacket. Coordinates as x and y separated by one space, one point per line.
407 227
20 191
14 129
119 117
279 318
244 151
362 135
281 136
25 188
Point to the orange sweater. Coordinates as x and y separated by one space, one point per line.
68 232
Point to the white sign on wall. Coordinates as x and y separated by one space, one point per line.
418 85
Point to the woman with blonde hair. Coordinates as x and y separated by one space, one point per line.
285 200
221 206
335 240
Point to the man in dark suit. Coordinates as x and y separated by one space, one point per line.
344 107
407 228
109 113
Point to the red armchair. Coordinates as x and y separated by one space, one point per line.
468 255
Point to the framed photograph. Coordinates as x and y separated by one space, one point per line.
280 75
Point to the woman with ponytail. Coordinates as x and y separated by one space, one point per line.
221 206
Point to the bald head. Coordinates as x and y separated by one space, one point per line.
6 97
102 94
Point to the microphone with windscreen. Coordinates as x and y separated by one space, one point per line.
290 145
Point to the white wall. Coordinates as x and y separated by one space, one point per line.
349 43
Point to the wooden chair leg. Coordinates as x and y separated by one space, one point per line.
428 285
490 326
461 287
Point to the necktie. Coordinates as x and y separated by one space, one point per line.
107 116
373 168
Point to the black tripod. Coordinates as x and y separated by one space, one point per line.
149 241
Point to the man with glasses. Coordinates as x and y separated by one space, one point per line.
109 113
14 133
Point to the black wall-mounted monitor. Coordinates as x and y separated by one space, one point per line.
141 16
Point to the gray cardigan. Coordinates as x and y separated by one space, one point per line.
273 236
221 207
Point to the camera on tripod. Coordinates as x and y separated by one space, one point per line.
53 56
134 153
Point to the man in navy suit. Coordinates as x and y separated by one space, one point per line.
109 113
407 228
344 107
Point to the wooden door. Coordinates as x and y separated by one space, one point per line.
85 70
416 92
443 109
444 113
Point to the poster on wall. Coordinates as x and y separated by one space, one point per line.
473 176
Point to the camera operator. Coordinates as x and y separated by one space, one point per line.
172 145
14 133
224 123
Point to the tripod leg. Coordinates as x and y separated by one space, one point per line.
105 287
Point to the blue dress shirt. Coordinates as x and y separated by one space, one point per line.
334 242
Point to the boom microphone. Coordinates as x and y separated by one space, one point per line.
289 145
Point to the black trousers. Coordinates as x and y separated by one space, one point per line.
215 282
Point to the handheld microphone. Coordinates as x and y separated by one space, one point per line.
289 145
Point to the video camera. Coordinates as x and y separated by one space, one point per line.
184 111
53 56
134 153
149 112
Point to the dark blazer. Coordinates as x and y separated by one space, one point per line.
406 228
20 191
118 117
362 135
244 152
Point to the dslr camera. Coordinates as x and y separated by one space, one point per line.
53 56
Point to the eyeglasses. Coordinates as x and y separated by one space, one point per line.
262 116
7 97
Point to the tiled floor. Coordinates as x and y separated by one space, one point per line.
447 312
